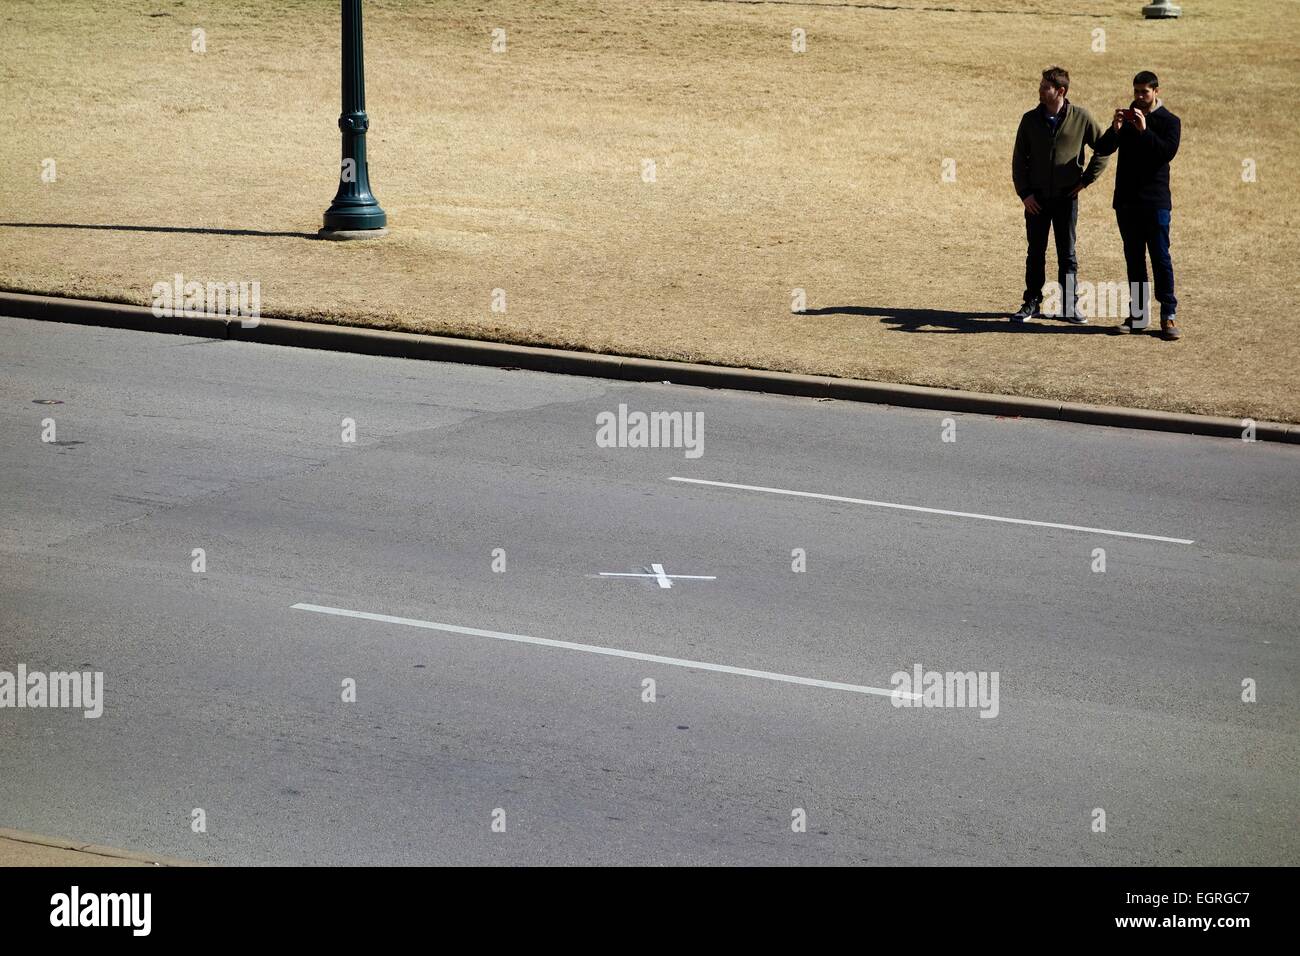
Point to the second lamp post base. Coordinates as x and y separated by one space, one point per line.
341 234
1161 10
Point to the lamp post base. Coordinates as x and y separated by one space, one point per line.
1161 10
344 234
354 208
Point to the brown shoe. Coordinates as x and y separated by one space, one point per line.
1169 329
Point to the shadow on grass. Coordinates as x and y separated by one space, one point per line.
193 230
945 322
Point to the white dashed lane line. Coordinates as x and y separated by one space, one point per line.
606 651
934 511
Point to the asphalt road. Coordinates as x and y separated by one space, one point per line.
1118 690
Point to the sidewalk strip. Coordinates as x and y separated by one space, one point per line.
439 348
606 651
934 511
13 842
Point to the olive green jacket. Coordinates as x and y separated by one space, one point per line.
1049 165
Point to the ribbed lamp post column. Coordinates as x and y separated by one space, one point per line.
355 213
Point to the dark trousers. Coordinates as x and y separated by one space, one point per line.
1060 216
1144 229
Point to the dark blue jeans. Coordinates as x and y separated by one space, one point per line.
1060 217
1144 229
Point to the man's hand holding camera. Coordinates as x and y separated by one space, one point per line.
1137 117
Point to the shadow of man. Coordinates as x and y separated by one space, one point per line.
943 321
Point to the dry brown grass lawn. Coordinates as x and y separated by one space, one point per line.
775 171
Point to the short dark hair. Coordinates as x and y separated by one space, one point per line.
1147 78
1058 76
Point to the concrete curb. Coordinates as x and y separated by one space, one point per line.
58 843
343 338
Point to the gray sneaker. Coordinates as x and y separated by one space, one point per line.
1028 310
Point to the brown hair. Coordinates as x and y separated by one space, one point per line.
1058 76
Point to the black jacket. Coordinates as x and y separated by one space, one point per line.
1143 175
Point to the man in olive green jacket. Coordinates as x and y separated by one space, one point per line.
1048 170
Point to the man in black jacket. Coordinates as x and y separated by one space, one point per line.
1147 136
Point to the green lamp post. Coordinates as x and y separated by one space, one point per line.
355 213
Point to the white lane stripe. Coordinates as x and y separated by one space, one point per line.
935 511
607 651
641 574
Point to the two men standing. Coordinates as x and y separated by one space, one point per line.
1049 172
